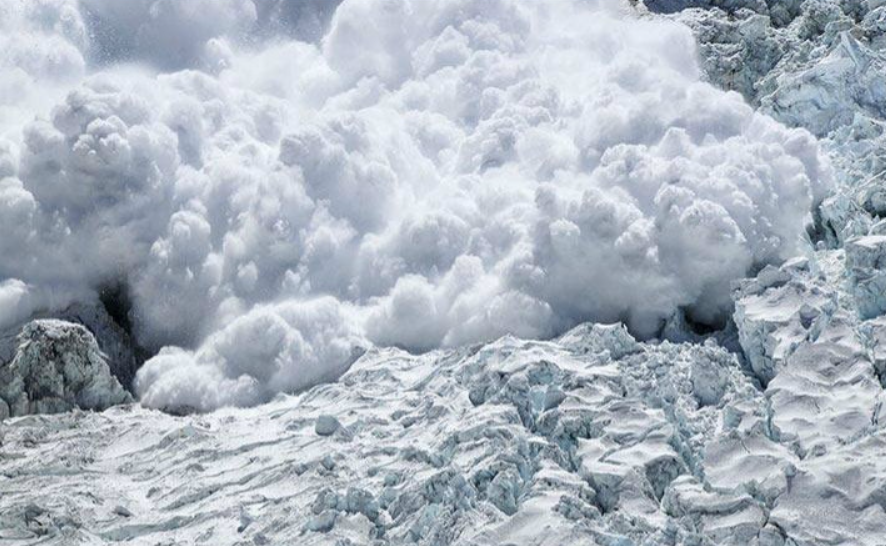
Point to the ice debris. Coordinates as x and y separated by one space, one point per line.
777 311
326 425
866 266
593 438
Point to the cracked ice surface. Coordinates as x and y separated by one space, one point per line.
593 438
823 367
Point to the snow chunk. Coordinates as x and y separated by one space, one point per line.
709 380
326 425
873 336
778 310
597 338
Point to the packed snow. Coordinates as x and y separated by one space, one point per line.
602 272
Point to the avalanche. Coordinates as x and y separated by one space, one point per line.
269 206
442 272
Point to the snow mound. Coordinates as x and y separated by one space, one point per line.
57 366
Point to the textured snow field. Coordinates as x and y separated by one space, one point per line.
589 439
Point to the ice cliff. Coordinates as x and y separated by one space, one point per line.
56 366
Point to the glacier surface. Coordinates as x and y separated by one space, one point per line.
591 438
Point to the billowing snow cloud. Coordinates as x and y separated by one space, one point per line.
282 347
281 184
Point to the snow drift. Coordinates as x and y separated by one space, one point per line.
280 185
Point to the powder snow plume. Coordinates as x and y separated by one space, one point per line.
279 185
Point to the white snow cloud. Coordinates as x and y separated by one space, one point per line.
283 347
428 173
